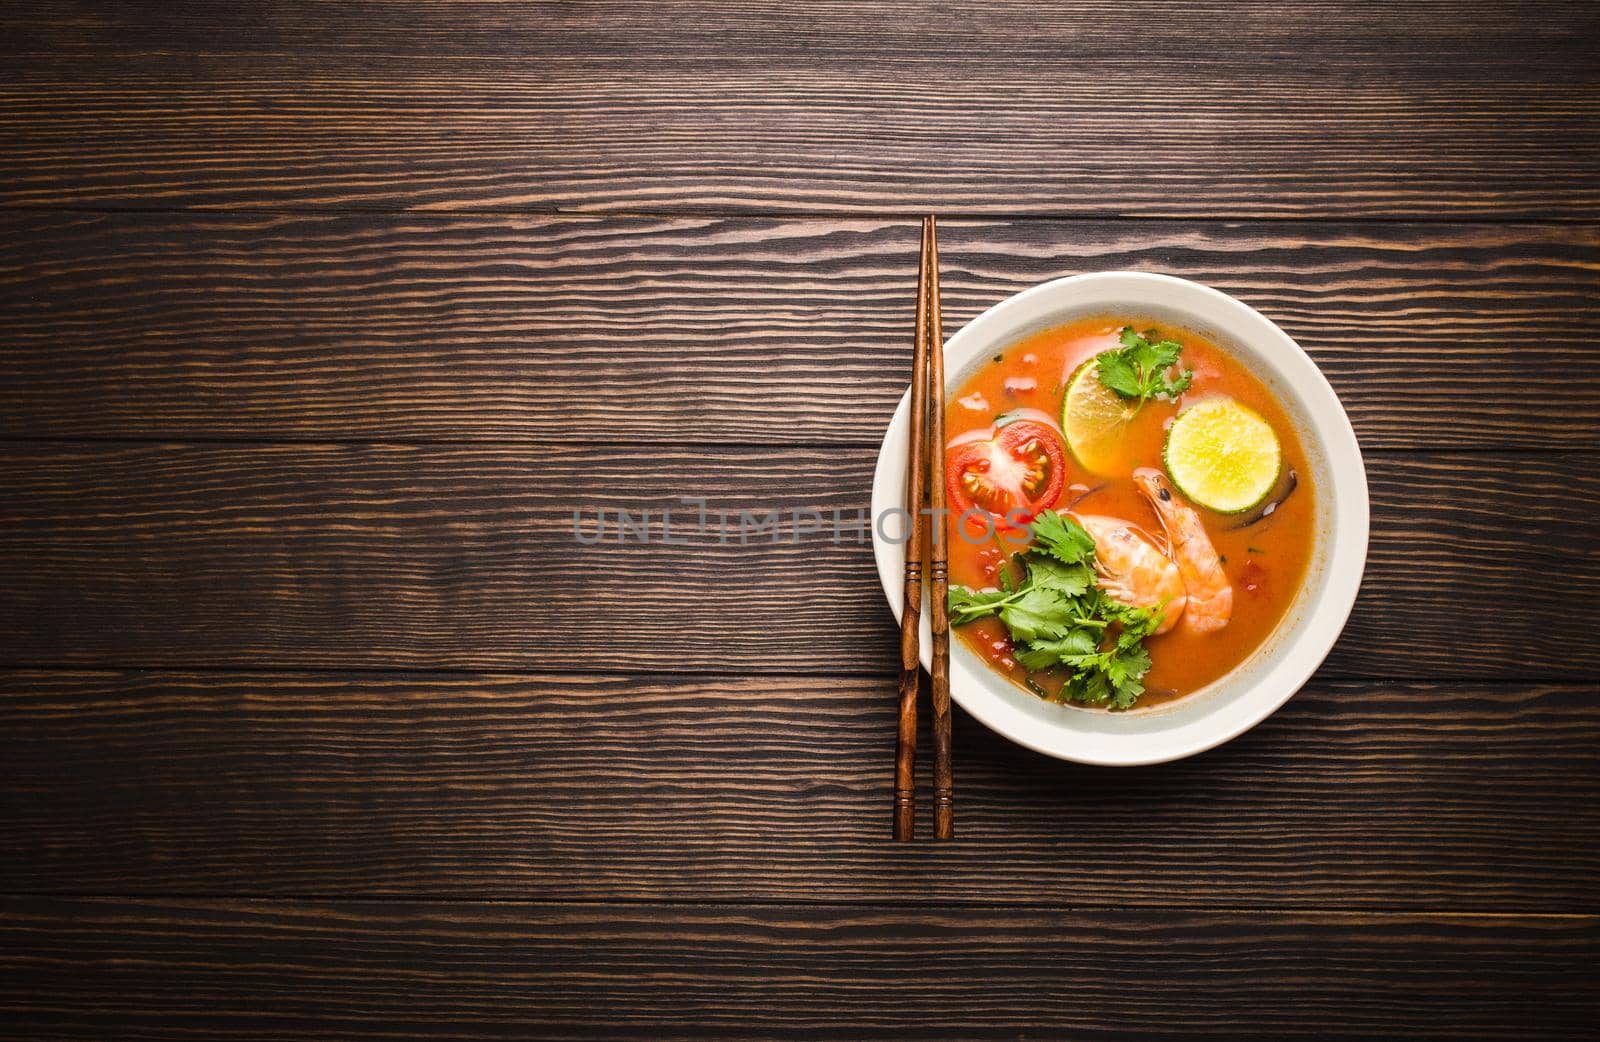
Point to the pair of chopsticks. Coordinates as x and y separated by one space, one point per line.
925 503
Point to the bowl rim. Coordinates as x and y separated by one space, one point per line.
1309 637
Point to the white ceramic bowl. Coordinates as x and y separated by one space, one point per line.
1258 686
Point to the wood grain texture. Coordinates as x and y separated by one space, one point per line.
270 970
1374 795
727 331
1057 135
1489 37
307 471
465 557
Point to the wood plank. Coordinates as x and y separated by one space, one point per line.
1355 796
1059 135
272 970
1492 36
727 331
465 557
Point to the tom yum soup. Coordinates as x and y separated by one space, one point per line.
1136 512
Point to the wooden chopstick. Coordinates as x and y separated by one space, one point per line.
928 535
938 551
905 754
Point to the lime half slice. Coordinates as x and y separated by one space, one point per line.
1094 418
1222 455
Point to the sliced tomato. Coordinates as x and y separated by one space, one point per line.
1017 466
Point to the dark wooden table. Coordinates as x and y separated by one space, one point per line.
320 322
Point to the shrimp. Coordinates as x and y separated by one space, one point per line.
1210 595
1132 570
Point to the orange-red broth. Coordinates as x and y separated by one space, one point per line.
1265 562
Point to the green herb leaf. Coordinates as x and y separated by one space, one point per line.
1062 538
1064 625
1038 613
1142 367
971 605
1117 372
1069 580
1043 654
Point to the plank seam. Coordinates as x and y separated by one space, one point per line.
1562 449
1511 219
802 906
22 666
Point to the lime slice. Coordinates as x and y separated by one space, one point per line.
1094 418
1222 455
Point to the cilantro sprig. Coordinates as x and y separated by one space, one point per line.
1141 367
1062 623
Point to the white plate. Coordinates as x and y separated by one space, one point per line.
1258 686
